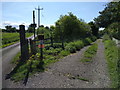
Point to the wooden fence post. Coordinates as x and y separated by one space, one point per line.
23 44
33 46
27 49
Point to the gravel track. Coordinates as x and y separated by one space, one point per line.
63 73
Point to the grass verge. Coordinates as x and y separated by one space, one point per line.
11 38
111 54
89 53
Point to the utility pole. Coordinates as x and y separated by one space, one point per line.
34 25
38 14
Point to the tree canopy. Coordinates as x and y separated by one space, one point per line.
109 15
70 28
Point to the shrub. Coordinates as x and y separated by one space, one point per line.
57 45
79 44
87 41
64 53
52 51
106 37
70 47
93 38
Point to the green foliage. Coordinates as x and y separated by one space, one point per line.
93 38
57 45
118 64
45 31
113 30
106 37
109 15
11 38
70 47
87 41
111 53
94 28
30 30
64 53
89 53
69 28
9 29
50 55
78 44
53 51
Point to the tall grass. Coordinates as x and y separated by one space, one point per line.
111 53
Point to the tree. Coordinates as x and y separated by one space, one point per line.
70 28
10 29
94 28
30 29
43 30
109 15
114 30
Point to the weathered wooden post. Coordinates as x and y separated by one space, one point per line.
27 49
41 38
33 46
23 44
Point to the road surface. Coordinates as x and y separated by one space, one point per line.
7 55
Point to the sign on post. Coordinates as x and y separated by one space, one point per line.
41 38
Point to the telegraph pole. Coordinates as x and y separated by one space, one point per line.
34 22
38 14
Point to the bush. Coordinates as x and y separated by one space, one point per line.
93 38
79 44
53 51
57 45
87 41
106 37
64 53
70 47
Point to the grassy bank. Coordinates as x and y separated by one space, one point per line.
11 38
111 53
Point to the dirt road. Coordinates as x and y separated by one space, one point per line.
65 73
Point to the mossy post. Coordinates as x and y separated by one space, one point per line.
23 44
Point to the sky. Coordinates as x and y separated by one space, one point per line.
16 13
